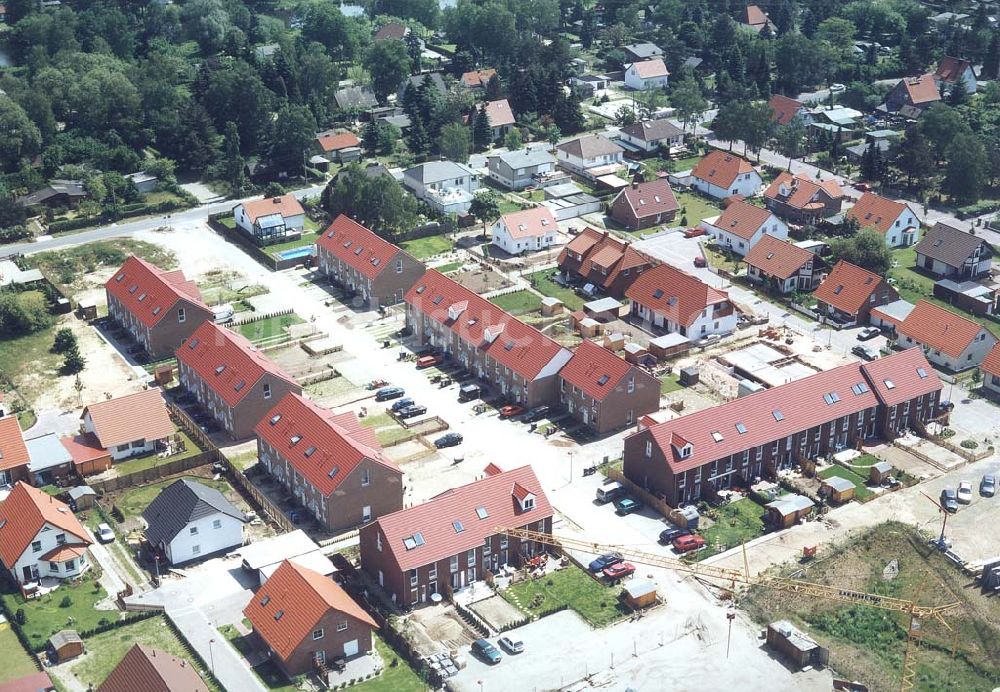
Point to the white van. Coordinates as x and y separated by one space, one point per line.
610 492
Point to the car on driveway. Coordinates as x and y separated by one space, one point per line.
105 534
865 352
618 571
949 500
448 440
668 535
535 414
988 486
511 410
599 564
627 505
685 544
411 411
695 232
700 262
964 492
868 333
400 404
486 651
427 361
387 393
512 644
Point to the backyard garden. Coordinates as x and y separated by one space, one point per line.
571 588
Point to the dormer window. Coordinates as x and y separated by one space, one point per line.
529 503
686 451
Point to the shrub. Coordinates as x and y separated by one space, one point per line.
64 341
969 444
19 616
66 602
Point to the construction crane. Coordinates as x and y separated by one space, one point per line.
941 544
917 613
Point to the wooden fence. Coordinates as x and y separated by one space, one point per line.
154 473
257 498
647 497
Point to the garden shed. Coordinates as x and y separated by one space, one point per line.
837 490
65 645
787 510
639 594
879 472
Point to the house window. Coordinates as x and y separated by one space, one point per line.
487 549
366 513
317 634
217 524
399 266
60 538
36 546
649 448
194 530
70 565
472 558
378 541
631 384
432 573
53 566
196 550
454 563
366 477
342 625
413 577
267 391
529 503
181 315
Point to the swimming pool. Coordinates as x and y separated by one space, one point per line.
295 252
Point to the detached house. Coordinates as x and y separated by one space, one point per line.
990 368
130 425
647 74
601 262
784 109
477 79
331 464
515 358
362 261
305 621
152 670
953 71
742 224
947 338
516 170
756 19
159 309
500 117
231 379
653 135
272 220
338 146
451 541
912 95
188 521
894 220
590 156
783 267
14 455
720 175
666 300
604 392
636 52
849 294
445 185
803 199
642 205
40 538
523 231
951 253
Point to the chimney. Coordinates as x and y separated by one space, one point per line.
276 200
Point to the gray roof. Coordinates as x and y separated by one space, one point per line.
64 637
81 491
522 158
416 80
950 245
883 145
882 467
71 188
643 50
897 309
590 146
355 97
638 589
837 483
692 62
46 452
652 130
180 503
789 504
436 171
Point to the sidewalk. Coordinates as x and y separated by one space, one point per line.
225 662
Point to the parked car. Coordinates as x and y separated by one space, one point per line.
949 500
700 262
868 333
685 544
448 440
469 392
864 352
668 535
837 88
601 563
618 571
627 505
387 393
535 414
511 410
988 486
863 187
486 651
512 644
946 406
964 492
428 361
609 492
400 404
695 232
411 411
105 534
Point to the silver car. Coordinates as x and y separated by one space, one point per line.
988 486
512 644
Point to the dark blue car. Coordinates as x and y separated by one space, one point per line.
605 561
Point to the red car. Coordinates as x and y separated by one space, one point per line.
427 361
685 544
694 232
700 262
511 410
619 571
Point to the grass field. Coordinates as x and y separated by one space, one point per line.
394 678
14 660
860 491
595 603
67 265
519 302
133 501
387 430
151 460
449 267
268 328
46 615
695 207
422 248
736 523
670 383
868 644
28 362
543 283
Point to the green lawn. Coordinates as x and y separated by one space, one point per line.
387 430
270 327
151 460
866 460
736 523
719 259
133 501
519 302
670 383
14 660
543 283
695 207
393 678
861 492
228 222
507 206
594 602
45 616
422 248
449 267
268 672
27 361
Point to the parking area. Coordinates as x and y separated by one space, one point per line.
673 248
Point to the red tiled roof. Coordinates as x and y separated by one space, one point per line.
435 519
499 113
875 211
62 553
286 205
650 199
13 451
677 295
721 168
212 347
940 329
647 69
922 89
391 30
147 669
742 219
149 292
778 258
783 108
328 448
586 239
142 415
333 141
801 190
951 69
514 344
908 372
357 246
35 682
84 448
754 16
492 469
23 514
287 608
529 223
991 363
847 287
595 370
478 78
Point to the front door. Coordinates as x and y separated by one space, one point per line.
27 573
351 648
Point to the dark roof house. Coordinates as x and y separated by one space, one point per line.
145 669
